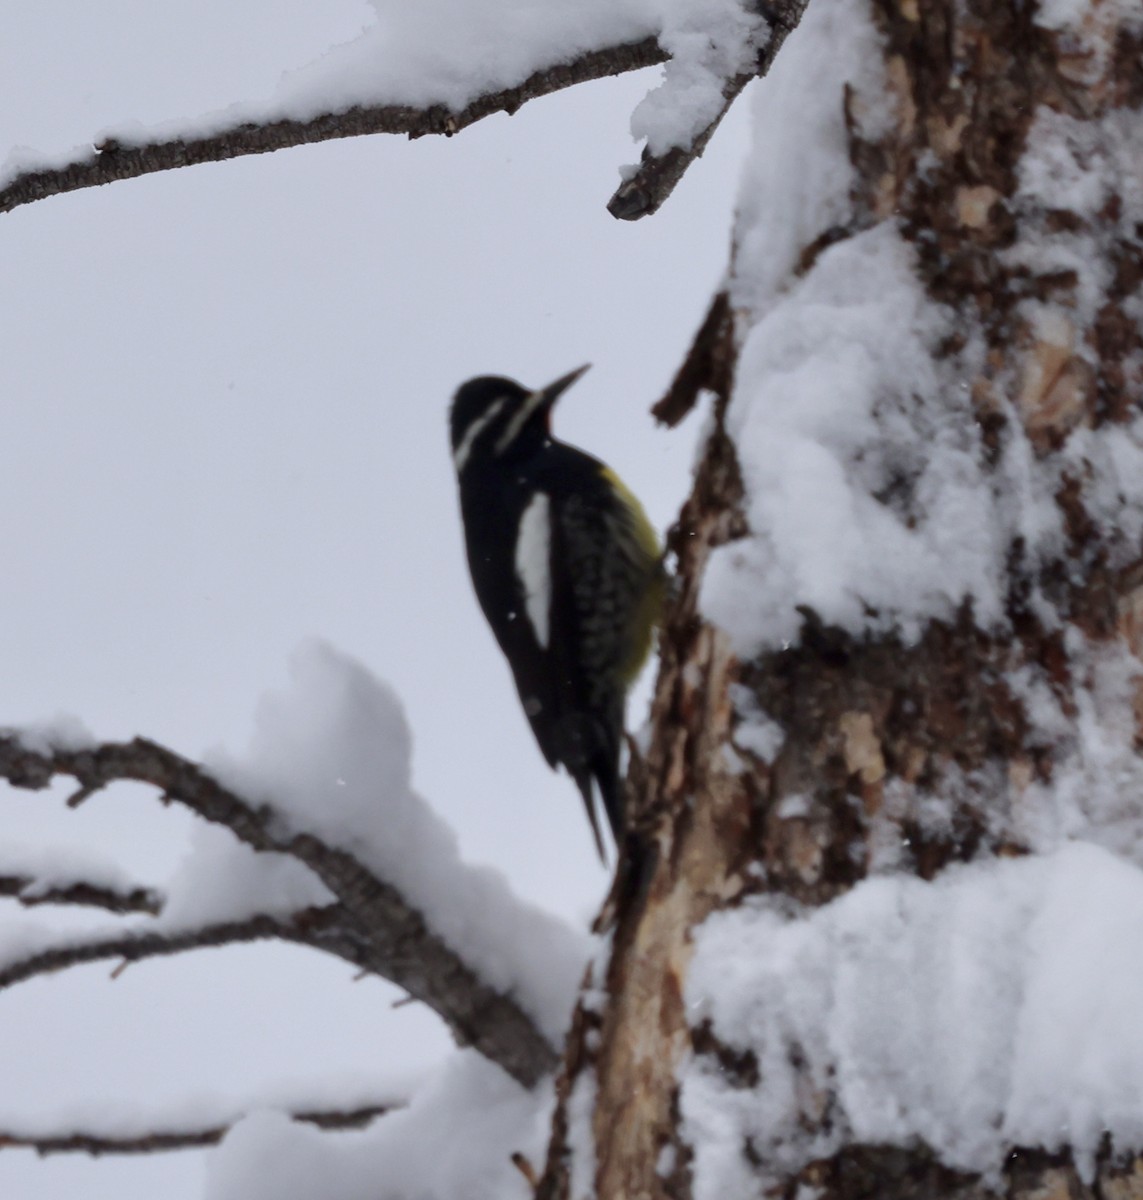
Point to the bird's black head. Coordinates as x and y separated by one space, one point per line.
496 418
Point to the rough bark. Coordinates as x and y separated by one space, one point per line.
870 718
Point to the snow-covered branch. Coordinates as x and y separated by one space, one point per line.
658 173
116 159
707 69
376 926
656 177
160 1140
32 892
314 927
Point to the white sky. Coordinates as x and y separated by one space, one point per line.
224 395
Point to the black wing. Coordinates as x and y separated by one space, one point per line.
560 610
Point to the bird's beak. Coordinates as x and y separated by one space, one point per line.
537 404
547 396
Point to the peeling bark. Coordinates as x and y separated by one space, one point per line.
874 725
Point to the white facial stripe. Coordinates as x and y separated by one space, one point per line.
533 564
512 430
460 455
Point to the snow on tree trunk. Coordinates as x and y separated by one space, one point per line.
905 637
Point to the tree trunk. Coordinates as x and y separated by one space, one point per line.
1042 288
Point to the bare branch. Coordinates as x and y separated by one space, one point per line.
706 366
31 893
157 1141
113 160
524 1166
304 928
379 929
658 174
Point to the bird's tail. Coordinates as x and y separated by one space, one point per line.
583 782
605 768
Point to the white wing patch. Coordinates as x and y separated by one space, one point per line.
533 564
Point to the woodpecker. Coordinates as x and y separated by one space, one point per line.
568 571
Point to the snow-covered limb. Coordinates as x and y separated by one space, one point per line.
319 928
455 1137
657 175
32 892
37 875
116 159
712 52
390 937
660 170
158 1141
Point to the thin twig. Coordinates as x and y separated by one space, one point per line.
31 893
524 1166
157 1141
135 945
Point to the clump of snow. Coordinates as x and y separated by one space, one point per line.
710 42
960 1012
23 160
865 487
796 181
63 732
331 755
60 867
762 737
455 1138
222 879
755 732
451 51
